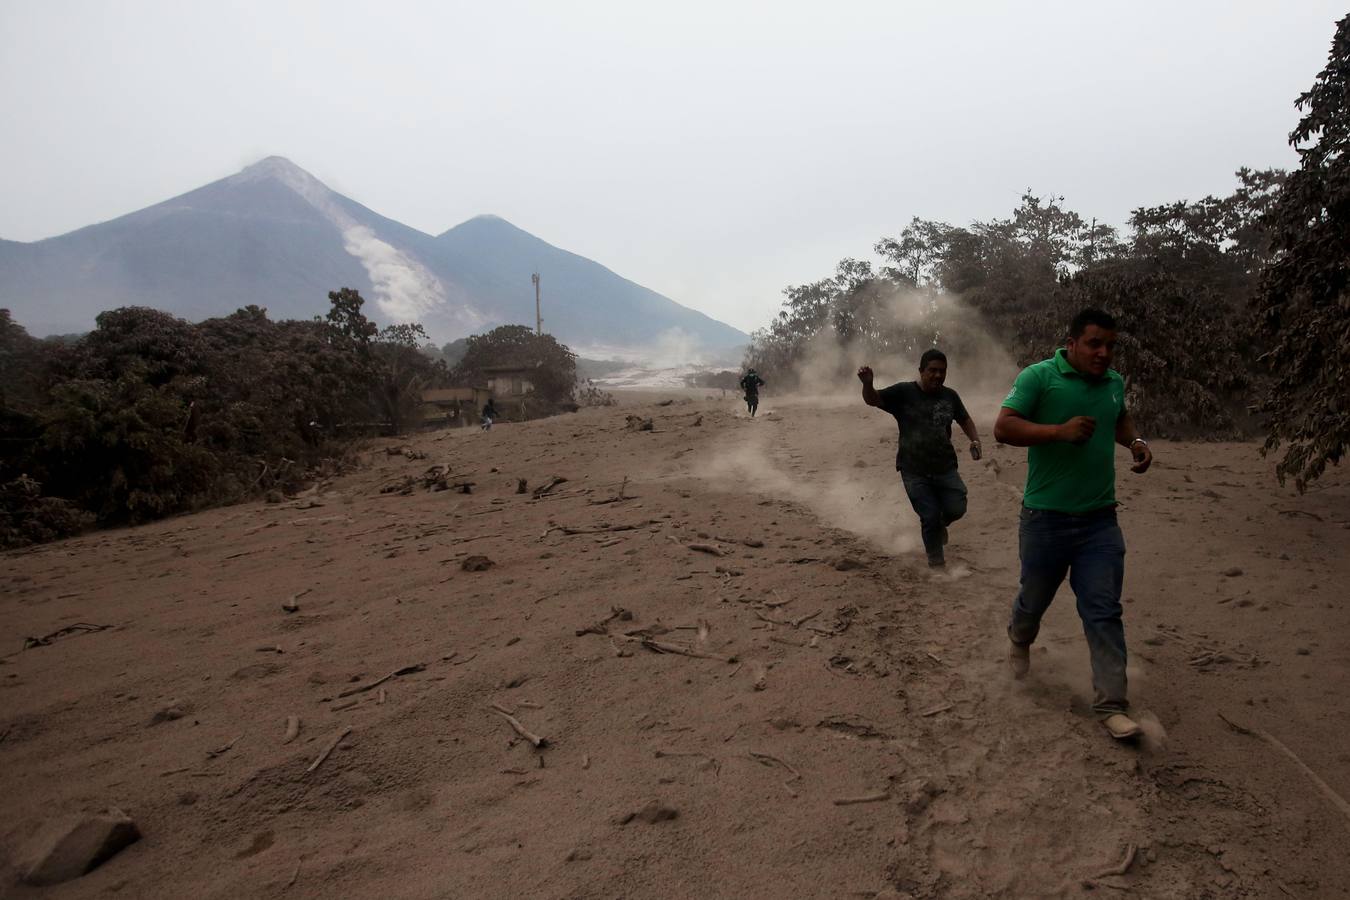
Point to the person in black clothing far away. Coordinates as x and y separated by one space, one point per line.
489 413
924 411
750 383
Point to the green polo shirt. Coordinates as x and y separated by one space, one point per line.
1069 478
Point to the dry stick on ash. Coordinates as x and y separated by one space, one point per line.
406 670
663 647
769 759
1327 791
1123 866
329 749
546 488
866 798
520 729
292 729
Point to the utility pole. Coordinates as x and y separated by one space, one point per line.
538 318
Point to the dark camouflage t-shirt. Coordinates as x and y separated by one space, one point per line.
925 422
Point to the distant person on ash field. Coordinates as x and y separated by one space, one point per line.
924 411
489 413
750 383
1069 410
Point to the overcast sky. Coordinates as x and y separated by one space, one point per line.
714 152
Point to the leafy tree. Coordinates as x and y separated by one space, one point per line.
1304 297
552 366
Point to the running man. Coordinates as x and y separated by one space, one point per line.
1068 410
750 383
489 413
924 411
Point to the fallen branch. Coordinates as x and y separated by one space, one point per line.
212 754
797 622
292 729
520 729
1123 866
76 628
706 548
406 670
329 749
866 798
769 759
547 488
663 647
1327 791
935 710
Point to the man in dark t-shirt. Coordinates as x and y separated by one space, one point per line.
924 411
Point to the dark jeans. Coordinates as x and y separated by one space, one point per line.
939 500
1090 549
752 402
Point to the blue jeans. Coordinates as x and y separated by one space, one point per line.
1090 549
939 500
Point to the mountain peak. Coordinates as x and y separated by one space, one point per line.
282 170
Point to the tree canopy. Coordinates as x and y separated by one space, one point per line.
1305 290
553 366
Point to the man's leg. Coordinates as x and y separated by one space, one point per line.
923 496
1096 577
952 496
1043 545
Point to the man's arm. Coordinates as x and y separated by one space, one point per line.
1127 437
870 395
1011 427
968 426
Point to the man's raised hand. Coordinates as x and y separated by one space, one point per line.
865 376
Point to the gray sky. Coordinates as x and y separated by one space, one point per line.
715 152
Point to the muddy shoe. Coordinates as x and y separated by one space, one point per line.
1019 659
1121 727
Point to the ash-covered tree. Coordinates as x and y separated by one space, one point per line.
1304 298
552 366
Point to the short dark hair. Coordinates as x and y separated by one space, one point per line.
1088 317
929 356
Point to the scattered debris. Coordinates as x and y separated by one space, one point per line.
291 605
292 729
865 798
1327 791
520 729
76 628
1232 572
174 709
70 847
706 548
476 563
846 563
637 423
651 812
602 626
332 745
769 759
664 647
220 751
544 489
522 485
1123 866
935 710
406 670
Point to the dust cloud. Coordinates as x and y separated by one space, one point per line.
978 368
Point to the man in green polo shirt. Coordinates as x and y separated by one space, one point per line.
1069 411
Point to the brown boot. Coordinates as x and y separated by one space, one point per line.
1121 727
1019 659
